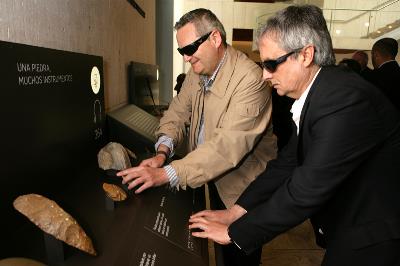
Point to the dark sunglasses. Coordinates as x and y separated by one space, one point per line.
271 65
190 49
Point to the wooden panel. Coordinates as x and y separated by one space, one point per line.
242 35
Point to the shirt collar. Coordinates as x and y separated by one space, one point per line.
209 81
386 62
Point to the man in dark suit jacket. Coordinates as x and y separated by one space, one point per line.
341 167
386 73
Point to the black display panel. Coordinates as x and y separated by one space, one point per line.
52 105
146 229
52 126
144 86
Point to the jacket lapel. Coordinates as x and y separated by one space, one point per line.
197 110
300 150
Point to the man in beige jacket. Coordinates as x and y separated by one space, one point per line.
228 108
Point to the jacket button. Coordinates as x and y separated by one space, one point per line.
320 231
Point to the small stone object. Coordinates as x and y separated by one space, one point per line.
113 156
52 219
114 192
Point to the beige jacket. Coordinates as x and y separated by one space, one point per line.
238 138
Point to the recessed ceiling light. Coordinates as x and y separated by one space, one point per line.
390 26
366 24
338 31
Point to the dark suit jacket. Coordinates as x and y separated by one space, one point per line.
387 78
281 118
366 73
342 171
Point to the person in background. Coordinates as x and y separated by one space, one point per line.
341 167
362 58
228 107
351 64
386 73
179 81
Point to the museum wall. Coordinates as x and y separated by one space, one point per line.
112 29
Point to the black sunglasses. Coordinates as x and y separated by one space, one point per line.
190 49
271 65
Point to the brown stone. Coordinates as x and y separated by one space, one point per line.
52 219
113 156
114 192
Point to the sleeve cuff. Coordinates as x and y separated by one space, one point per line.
233 241
172 176
167 141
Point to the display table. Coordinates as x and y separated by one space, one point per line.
146 229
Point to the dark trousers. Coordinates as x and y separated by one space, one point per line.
230 255
382 254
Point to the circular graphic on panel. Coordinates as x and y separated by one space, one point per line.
95 80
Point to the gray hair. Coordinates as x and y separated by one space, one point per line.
298 26
204 21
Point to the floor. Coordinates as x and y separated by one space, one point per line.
295 247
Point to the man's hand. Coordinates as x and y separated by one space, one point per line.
226 217
215 223
145 175
155 162
159 159
215 231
